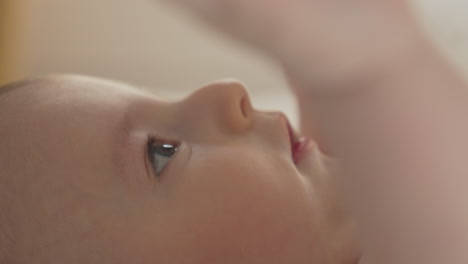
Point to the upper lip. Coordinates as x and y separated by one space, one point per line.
293 137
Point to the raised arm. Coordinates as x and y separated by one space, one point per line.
401 137
377 96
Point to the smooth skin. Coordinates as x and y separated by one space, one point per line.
379 98
78 187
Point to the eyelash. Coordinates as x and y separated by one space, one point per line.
156 140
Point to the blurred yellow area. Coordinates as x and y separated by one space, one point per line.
6 45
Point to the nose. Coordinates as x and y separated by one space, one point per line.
224 104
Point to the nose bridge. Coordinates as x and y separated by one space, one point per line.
224 105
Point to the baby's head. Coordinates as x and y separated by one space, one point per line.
94 171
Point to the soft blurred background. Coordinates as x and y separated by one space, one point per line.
150 44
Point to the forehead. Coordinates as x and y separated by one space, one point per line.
56 117
79 98
75 106
72 96
64 105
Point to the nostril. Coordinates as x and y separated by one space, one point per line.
244 106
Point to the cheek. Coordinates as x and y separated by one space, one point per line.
242 205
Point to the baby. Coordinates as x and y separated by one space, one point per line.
95 171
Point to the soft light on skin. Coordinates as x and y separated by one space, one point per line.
74 149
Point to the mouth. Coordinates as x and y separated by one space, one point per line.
298 144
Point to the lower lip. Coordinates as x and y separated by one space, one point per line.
300 149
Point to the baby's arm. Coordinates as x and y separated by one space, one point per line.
375 95
402 139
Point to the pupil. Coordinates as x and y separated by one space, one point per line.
166 150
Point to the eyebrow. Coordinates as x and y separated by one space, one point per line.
10 87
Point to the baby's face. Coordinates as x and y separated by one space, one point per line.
106 173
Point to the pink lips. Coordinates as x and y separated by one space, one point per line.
299 149
298 144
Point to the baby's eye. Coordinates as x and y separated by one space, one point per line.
159 153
